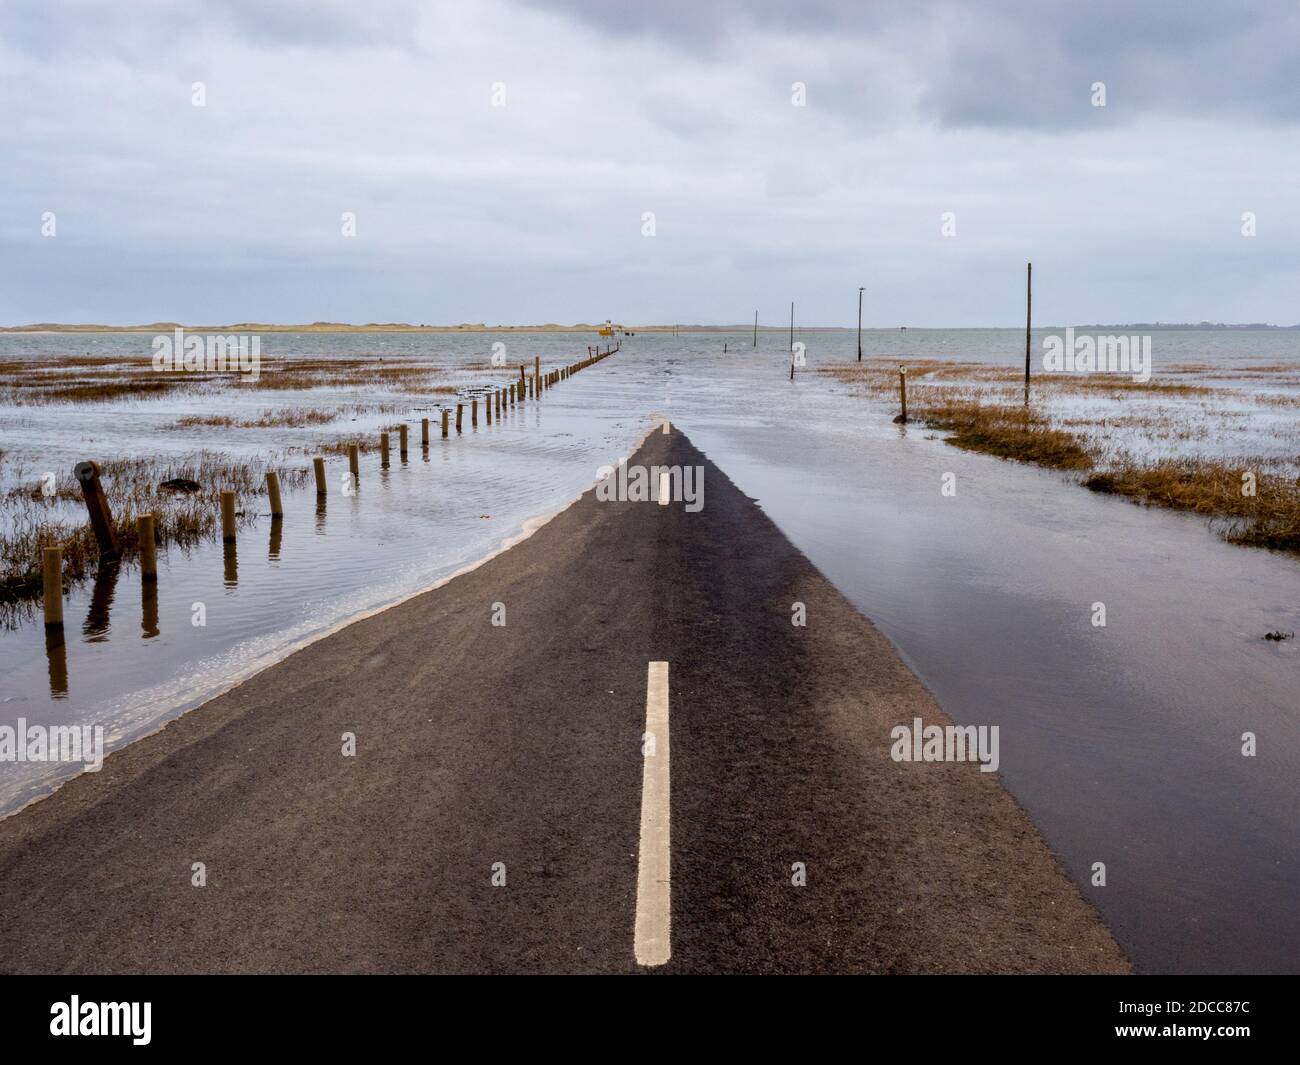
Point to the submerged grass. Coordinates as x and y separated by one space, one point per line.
976 405
1008 432
1256 507
284 418
34 521
93 379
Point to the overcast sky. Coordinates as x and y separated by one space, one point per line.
535 211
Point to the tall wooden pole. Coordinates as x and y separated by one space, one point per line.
792 336
756 329
1029 318
859 323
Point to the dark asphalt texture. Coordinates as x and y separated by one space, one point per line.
520 744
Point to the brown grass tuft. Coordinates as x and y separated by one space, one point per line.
1269 518
1008 432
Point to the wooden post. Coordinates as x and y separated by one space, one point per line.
756 329
792 337
273 490
144 532
383 450
424 432
101 520
537 375
318 464
401 440
354 463
52 578
473 411
487 409
1029 318
228 515
902 389
522 378
445 415
460 415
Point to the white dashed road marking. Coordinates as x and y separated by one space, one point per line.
653 939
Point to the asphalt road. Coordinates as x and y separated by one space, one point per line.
521 744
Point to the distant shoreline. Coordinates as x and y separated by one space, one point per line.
584 327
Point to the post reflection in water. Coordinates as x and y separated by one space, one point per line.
56 652
96 625
232 565
149 609
277 534
320 515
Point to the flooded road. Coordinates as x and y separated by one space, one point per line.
1123 742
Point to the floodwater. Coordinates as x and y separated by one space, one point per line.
1123 742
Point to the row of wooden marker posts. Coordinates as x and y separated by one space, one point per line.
101 522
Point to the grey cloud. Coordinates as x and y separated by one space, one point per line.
44 29
533 211
1013 63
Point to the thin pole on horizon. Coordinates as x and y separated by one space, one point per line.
792 335
756 329
1029 318
859 323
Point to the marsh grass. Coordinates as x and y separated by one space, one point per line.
31 521
94 379
1268 518
284 418
1008 432
34 521
981 408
